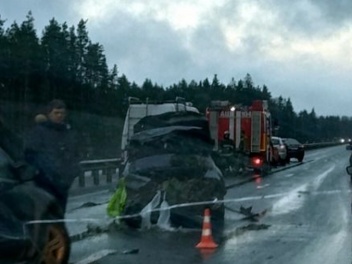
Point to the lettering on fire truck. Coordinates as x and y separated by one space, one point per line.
244 114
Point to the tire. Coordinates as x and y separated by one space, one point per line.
257 171
288 159
218 221
50 243
300 158
57 245
282 162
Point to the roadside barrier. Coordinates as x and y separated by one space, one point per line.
310 146
107 167
110 167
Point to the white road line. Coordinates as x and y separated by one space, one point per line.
77 197
319 180
263 186
96 256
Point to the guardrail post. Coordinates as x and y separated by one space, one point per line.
109 172
81 179
95 174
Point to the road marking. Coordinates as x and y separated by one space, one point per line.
289 175
263 186
77 197
291 201
96 256
319 180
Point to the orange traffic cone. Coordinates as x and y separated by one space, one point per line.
206 240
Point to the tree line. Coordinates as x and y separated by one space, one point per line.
63 62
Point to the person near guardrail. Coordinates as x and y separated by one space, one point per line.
51 147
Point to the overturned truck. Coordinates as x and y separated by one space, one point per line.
170 154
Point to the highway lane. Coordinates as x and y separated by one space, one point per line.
308 220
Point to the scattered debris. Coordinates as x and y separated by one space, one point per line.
304 192
255 227
131 251
247 212
93 228
250 227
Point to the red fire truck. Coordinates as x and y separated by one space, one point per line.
251 124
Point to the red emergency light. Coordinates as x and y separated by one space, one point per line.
256 162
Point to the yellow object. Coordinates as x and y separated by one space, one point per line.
117 202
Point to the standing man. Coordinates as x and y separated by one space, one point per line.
50 147
227 152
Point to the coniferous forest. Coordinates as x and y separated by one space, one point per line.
63 62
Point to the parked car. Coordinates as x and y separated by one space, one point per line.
171 153
21 202
279 145
294 149
349 145
349 168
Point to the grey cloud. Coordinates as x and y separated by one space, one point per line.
144 49
42 11
311 17
335 12
152 49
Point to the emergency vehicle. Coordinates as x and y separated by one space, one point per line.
138 109
252 125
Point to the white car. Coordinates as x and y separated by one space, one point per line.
279 144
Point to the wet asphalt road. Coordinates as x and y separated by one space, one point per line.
308 220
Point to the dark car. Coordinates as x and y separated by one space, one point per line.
349 145
294 149
22 206
171 153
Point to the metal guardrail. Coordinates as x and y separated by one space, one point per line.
108 167
310 146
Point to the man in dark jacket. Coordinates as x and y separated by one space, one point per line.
50 147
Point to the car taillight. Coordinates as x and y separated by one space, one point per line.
256 161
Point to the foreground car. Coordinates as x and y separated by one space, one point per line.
294 149
171 153
21 201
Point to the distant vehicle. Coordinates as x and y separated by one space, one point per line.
279 145
171 153
349 168
294 149
21 202
349 145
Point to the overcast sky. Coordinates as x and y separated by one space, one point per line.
300 49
